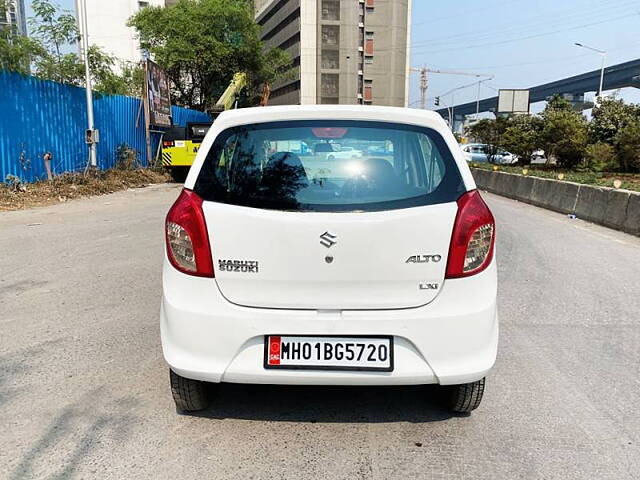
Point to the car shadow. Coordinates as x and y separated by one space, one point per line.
327 404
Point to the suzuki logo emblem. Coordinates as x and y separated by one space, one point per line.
328 239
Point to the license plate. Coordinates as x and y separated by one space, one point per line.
328 353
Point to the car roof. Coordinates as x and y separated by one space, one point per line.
331 112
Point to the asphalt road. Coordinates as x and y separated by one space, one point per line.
84 390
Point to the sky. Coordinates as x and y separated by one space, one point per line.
522 43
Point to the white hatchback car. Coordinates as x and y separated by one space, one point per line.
376 270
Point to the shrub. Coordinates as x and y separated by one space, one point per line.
599 157
564 136
126 157
489 132
628 145
522 137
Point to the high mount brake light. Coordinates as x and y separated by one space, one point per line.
473 238
186 236
329 132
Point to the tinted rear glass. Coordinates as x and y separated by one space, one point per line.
329 166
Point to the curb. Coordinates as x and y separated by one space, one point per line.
613 208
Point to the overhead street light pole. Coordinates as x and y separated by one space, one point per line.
603 53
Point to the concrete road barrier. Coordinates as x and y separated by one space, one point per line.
632 218
618 209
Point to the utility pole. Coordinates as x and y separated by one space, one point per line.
478 97
91 138
478 100
453 121
147 113
424 83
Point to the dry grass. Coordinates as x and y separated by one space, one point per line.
75 185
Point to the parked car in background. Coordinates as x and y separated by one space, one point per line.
478 153
380 274
332 151
538 157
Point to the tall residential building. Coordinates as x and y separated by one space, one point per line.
14 15
344 51
107 26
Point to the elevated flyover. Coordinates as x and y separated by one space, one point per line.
616 76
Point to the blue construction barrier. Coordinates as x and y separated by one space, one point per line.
37 116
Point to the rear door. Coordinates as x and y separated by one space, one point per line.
291 230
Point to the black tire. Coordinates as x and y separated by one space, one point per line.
466 397
179 174
189 395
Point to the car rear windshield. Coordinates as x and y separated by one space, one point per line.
329 166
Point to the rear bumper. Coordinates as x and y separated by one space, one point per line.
452 340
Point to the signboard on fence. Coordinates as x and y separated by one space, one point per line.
158 96
513 101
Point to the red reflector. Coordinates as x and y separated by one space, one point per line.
192 254
473 217
329 132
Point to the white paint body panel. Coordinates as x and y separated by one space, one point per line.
368 270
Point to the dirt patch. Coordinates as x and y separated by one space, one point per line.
17 196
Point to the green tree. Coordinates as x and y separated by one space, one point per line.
564 133
609 117
558 103
112 77
129 81
55 28
202 43
627 141
108 76
522 137
16 51
490 132
44 54
599 157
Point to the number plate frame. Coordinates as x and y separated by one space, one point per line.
390 368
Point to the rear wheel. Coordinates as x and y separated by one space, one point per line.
179 174
466 397
189 395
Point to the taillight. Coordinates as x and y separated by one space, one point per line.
167 143
186 236
473 238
